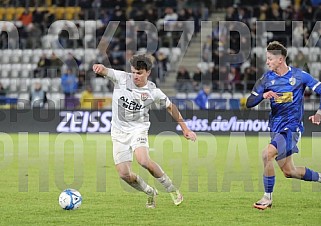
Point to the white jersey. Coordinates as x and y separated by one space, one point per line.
131 104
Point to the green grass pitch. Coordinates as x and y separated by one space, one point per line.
219 176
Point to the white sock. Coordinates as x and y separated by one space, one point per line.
167 183
319 178
268 195
142 186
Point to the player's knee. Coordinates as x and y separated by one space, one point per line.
287 173
125 176
269 154
145 163
265 156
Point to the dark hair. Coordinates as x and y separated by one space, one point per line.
141 62
276 48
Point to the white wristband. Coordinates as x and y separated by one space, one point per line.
319 112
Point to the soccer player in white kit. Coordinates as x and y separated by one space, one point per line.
133 96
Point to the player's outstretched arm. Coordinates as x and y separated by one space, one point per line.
255 98
174 112
100 70
315 119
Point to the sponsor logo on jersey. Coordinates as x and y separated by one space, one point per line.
144 96
273 81
130 104
286 97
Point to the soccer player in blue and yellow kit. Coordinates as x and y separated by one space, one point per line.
284 86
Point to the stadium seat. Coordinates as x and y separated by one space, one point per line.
55 84
99 84
14 85
191 95
46 83
57 98
2 12
182 103
18 12
59 13
237 95
215 95
259 51
5 70
10 13
8 54
25 87
16 56
219 104
226 95
292 51
16 70
181 95
24 96
314 54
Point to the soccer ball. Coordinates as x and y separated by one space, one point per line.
70 199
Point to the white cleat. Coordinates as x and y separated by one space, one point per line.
263 203
177 197
151 199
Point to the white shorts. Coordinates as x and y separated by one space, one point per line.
124 144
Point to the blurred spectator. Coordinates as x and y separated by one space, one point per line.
233 79
249 77
3 37
82 79
183 80
300 61
207 49
42 65
69 84
26 17
55 66
72 62
87 99
169 18
37 17
3 91
85 4
23 35
197 79
150 15
162 62
38 97
202 97
34 36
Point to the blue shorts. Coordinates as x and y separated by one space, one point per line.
285 142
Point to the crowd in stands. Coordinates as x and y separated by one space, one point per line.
216 68
110 28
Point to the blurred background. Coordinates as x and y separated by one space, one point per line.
47 49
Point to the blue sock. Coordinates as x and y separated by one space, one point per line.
310 175
268 183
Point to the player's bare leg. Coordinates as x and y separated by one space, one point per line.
298 172
156 171
125 173
268 156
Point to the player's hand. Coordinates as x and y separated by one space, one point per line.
270 94
100 69
190 135
315 119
